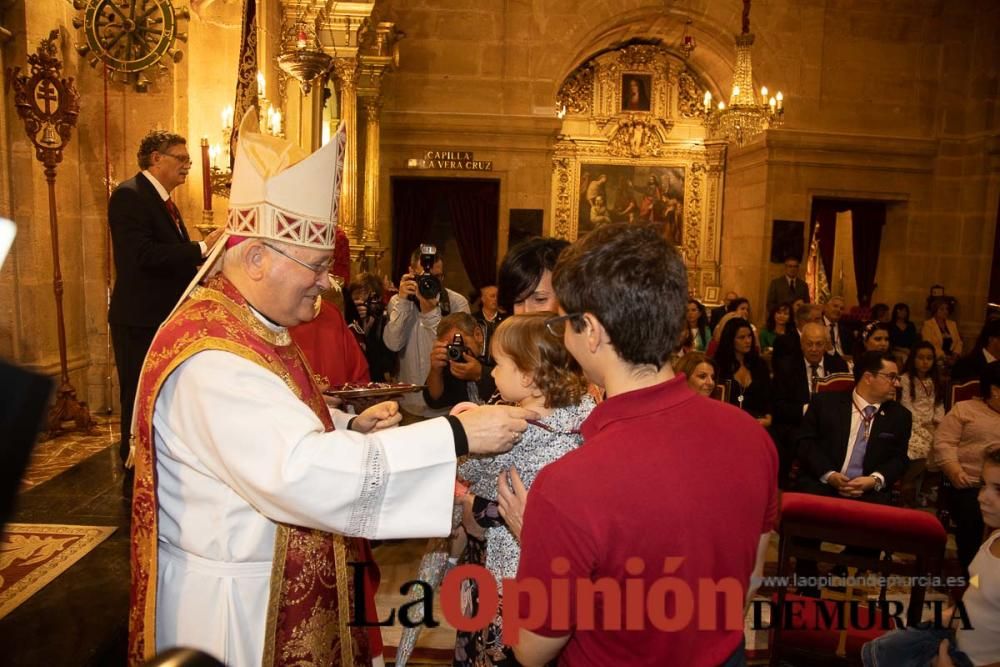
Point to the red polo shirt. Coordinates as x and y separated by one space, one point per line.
662 473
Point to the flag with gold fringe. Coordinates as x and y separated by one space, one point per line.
819 287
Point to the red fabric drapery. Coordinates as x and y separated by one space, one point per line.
867 221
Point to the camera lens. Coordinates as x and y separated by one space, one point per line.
428 286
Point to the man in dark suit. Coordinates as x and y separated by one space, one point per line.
795 381
853 444
840 336
787 288
155 259
986 350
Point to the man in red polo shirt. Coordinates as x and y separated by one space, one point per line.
669 491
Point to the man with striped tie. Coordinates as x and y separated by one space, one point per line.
155 259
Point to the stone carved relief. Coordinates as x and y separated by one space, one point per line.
634 115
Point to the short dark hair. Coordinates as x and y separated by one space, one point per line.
523 266
871 362
990 377
633 280
736 303
803 313
879 309
898 307
792 257
991 329
156 141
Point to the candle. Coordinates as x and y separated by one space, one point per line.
206 175
708 100
213 154
277 123
779 98
260 84
227 117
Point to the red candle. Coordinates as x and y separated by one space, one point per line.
206 175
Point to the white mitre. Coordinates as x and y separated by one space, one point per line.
280 192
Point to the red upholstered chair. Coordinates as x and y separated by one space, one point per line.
836 382
856 524
962 392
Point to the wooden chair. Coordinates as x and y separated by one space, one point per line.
856 524
721 391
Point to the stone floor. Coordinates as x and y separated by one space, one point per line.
80 617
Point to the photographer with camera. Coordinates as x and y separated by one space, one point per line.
414 315
366 294
459 372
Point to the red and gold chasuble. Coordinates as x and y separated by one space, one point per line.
312 594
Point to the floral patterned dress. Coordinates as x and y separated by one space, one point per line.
542 443
926 414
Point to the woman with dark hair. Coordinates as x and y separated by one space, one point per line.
874 337
902 332
965 433
697 326
922 393
741 366
880 312
777 324
525 283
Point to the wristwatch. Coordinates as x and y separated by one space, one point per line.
879 484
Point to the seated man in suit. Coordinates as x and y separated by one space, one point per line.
853 445
986 350
795 380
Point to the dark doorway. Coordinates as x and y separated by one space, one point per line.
458 215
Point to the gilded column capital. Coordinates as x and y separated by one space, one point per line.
346 70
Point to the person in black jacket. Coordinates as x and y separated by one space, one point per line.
986 350
741 367
452 381
155 259
795 382
853 444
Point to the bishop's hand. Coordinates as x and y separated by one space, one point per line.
377 418
492 429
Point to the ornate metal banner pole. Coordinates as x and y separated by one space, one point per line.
49 106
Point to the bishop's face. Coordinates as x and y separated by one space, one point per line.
295 278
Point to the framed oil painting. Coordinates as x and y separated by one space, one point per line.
636 92
633 194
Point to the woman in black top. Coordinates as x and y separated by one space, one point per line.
740 365
902 332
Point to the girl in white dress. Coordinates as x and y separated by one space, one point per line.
923 396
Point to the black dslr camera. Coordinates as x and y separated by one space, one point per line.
374 305
427 284
456 348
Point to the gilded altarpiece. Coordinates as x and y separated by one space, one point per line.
633 149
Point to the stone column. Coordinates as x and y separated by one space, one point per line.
373 107
347 74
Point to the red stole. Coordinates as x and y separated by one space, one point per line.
309 628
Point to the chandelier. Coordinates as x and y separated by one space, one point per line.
302 56
744 118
